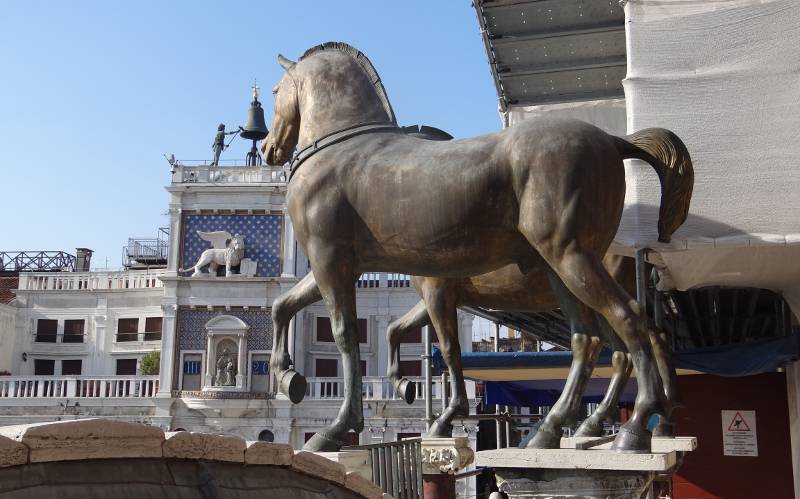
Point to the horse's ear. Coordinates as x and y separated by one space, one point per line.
285 63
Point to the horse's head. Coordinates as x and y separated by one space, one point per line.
277 149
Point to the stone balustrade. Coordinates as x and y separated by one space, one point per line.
208 174
106 458
78 386
90 281
373 388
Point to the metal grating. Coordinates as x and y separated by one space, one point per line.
549 51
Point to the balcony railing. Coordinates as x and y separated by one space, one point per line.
373 388
225 174
90 281
78 386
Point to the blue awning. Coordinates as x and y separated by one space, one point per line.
537 378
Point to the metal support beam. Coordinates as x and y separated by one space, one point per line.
498 426
426 364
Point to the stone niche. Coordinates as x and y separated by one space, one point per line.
226 354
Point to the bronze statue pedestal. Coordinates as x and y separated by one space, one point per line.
571 473
441 459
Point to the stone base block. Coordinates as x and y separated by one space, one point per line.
355 461
575 459
572 483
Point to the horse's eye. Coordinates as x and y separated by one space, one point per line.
275 89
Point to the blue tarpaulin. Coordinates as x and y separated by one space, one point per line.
731 360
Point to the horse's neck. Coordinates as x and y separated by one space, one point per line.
323 113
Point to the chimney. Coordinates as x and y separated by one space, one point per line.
84 259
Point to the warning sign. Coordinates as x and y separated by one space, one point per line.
739 433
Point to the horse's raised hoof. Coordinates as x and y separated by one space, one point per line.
590 428
321 442
545 439
440 430
292 384
407 391
631 441
664 429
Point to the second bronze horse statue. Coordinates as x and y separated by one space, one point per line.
545 194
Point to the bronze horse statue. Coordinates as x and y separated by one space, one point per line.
547 194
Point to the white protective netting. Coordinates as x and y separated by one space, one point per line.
724 76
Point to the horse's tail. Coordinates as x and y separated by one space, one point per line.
668 155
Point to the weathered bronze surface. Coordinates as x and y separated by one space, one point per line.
539 194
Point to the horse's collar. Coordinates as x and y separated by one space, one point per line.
338 136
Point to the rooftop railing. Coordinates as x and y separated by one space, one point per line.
374 388
90 281
372 280
228 174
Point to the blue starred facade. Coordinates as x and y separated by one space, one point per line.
192 333
262 235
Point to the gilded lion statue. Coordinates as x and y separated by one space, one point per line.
225 250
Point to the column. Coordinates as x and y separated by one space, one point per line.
168 350
173 255
288 247
381 345
241 363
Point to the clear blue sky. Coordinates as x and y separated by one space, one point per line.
93 93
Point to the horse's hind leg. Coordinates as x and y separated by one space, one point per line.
663 353
441 304
586 347
416 317
333 271
304 293
607 409
585 276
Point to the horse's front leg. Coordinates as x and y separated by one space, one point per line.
416 317
304 293
336 280
586 347
441 304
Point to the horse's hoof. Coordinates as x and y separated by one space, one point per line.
590 428
664 429
440 430
545 439
293 385
407 391
628 440
320 442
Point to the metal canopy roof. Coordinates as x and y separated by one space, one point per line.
549 51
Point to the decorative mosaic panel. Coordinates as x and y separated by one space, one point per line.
262 238
192 332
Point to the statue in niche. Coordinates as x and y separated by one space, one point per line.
226 375
225 250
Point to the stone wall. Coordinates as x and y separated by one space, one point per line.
104 458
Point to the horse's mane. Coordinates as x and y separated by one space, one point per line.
364 63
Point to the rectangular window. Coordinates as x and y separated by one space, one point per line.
412 336
46 330
71 367
192 372
326 368
127 329
325 334
362 330
410 368
126 367
73 331
152 329
363 368
44 367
